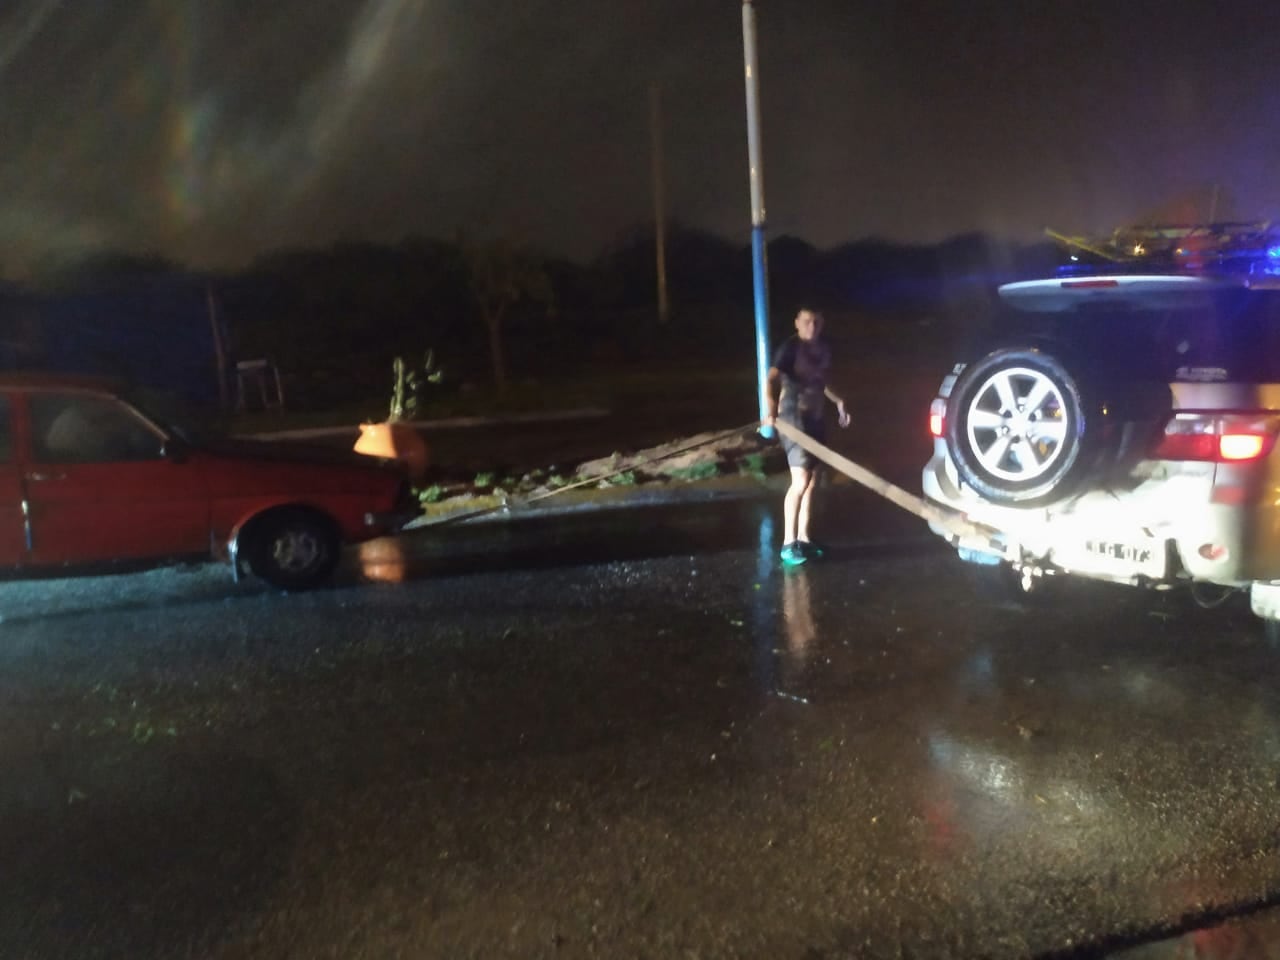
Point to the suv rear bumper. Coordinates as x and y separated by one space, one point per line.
1172 522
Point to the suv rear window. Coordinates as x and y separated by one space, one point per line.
1228 335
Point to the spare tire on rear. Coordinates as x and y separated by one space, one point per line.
1020 428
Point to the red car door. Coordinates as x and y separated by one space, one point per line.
99 487
13 538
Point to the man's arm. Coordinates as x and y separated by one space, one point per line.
841 412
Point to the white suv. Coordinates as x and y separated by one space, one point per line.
1121 425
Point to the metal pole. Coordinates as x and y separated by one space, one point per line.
759 265
659 201
219 350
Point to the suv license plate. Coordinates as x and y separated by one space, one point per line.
1114 558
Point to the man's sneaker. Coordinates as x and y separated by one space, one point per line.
792 555
812 550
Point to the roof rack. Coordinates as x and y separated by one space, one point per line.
1251 248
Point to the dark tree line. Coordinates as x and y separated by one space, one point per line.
333 318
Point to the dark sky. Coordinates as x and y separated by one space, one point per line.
210 130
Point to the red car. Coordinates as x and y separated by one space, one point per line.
88 478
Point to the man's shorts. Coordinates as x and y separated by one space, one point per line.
798 456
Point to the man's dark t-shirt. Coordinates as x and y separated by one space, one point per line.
804 365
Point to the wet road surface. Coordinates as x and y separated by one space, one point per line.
630 734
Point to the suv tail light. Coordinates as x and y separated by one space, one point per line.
937 417
1221 438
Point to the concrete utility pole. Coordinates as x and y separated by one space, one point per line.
759 266
659 200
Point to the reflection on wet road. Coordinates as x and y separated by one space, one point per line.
630 733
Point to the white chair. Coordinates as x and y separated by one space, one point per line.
263 374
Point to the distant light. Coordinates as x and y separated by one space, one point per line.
1074 257
1139 249
1273 253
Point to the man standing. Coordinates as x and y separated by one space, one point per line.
796 390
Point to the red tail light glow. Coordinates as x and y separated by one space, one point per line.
1222 438
1242 446
937 417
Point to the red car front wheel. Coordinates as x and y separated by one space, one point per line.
293 549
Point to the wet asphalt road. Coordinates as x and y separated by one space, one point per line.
629 734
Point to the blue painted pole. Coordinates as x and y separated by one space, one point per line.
759 259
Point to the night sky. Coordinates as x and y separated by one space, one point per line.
211 130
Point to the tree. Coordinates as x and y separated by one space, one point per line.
501 275
99 269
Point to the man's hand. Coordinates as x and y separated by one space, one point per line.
842 414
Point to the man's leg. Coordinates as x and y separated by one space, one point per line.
791 505
805 501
